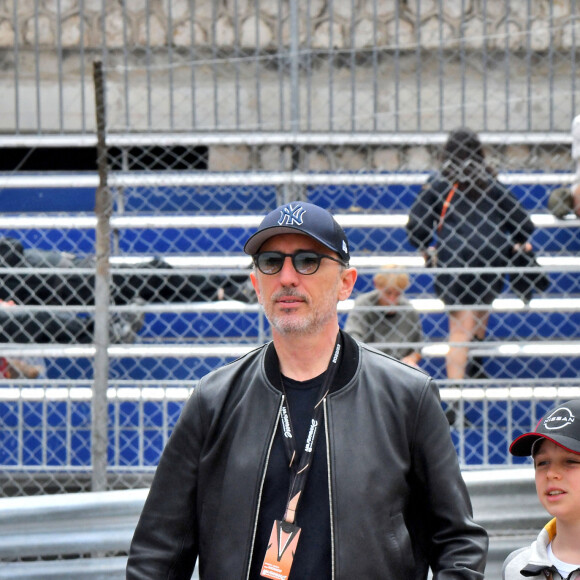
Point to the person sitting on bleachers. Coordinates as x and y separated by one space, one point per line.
399 323
45 326
44 286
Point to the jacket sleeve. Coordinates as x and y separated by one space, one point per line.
165 544
518 221
422 218
457 545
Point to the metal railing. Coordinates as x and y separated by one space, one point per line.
40 536
347 106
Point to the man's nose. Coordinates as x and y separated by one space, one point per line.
288 275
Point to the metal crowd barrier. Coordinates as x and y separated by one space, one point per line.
88 534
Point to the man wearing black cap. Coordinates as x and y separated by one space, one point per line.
555 448
312 457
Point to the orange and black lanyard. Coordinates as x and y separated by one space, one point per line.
446 204
302 467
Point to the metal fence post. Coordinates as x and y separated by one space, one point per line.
103 211
294 191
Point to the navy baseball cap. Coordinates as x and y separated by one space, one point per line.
300 217
561 425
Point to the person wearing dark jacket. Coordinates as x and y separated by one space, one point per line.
64 279
61 327
312 456
475 223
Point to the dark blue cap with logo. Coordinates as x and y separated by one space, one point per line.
561 425
300 217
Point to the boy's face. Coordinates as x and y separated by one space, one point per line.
388 296
558 481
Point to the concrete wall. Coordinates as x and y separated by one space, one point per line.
225 65
226 22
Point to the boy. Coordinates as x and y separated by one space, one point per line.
555 448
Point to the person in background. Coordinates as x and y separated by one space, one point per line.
46 326
474 222
576 200
563 201
16 368
555 448
312 456
56 278
41 327
384 315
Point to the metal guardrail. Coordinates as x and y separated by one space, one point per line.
84 525
506 505
261 138
252 178
346 220
79 530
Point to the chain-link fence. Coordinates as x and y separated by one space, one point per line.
340 65
344 104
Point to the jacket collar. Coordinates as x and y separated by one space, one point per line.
542 564
346 370
532 570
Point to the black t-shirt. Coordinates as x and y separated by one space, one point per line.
313 553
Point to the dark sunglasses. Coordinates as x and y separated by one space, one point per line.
304 262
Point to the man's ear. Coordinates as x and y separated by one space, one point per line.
348 278
256 286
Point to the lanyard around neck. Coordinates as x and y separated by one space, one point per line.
300 471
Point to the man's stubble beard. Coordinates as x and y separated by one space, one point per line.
300 325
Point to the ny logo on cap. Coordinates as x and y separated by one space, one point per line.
290 216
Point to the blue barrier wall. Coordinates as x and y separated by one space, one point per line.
42 432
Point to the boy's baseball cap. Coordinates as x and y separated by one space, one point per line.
300 217
561 425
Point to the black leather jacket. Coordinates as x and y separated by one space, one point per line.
398 501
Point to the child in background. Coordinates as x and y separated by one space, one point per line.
401 326
555 448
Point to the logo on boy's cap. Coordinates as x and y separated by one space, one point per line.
558 419
558 425
303 218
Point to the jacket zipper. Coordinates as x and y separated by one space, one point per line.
329 488
249 564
